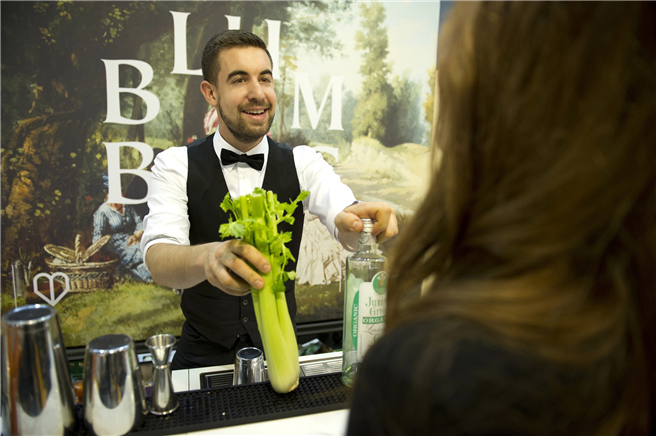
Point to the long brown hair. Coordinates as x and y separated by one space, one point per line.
540 220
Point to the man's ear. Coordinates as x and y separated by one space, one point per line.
209 92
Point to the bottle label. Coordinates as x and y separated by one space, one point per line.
355 320
369 313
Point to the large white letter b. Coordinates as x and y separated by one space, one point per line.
114 170
114 91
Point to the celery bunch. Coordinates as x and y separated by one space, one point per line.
256 222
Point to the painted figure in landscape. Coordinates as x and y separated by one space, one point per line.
124 225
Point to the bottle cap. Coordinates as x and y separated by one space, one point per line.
368 225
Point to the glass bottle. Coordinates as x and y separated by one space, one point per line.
365 293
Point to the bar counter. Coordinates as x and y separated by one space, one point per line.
325 423
318 405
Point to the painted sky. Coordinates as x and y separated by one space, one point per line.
412 28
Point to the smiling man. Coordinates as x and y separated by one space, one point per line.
181 244
247 101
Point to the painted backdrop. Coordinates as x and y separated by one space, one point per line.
91 91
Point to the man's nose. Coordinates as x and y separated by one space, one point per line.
255 91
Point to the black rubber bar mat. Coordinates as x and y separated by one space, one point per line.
245 404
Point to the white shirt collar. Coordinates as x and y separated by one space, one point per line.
220 143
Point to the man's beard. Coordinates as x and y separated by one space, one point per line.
241 130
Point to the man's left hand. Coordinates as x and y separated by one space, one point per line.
385 225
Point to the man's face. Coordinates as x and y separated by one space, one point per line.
245 95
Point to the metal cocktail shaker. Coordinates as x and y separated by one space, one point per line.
37 393
249 366
114 396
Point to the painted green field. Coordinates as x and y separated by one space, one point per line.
319 302
136 309
141 310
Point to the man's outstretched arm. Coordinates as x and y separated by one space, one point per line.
223 264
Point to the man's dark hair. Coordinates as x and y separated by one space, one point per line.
224 41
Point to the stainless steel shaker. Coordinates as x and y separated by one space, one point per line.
163 400
37 393
114 396
249 366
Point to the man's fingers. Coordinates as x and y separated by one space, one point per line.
385 225
229 267
382 217
234 263
230 283
389 231
250 254
349 222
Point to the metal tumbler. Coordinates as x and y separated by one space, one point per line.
37 393
114 396
249 366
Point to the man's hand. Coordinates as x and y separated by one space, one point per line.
226 267
385 226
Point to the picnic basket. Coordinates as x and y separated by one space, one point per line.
83 275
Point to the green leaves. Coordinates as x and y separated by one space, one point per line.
227 204
256 216
232 228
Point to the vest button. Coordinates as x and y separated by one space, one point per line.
244 302
245 319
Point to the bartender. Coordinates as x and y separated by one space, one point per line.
181 243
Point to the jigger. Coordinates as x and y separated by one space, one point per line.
163 400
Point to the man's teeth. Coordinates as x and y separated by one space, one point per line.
255 112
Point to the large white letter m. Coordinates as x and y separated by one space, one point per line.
305 87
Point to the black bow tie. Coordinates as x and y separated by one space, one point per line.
256 161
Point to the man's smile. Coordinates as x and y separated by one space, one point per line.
257 114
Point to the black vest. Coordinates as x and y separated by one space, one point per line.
216 315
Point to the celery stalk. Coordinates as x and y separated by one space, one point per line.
256 222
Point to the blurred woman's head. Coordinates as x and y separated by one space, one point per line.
540 220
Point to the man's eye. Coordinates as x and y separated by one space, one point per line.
266 79
238 80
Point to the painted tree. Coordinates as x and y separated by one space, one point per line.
430 100
371 109
403 121
309 29
54 94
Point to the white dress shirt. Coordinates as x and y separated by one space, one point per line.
168 221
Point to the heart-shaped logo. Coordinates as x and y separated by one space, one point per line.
51 279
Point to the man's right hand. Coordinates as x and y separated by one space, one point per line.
226 267
224 264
